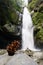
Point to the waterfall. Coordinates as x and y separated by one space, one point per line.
27 30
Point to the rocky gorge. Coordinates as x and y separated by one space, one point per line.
11 21
11 14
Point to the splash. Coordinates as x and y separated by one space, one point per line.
25 2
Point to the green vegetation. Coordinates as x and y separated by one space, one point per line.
37 19
32 4
8 11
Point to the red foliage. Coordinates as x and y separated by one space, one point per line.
13 47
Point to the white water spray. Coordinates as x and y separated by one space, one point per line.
25 2
27 30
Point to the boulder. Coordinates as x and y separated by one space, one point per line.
12 29
21 59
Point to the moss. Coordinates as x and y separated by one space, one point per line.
39 35
38 22
32 4
37 18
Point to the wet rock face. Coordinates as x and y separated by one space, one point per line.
13 47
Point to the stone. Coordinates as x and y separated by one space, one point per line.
21 59
12 29
38 55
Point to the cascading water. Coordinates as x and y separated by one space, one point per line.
27 30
